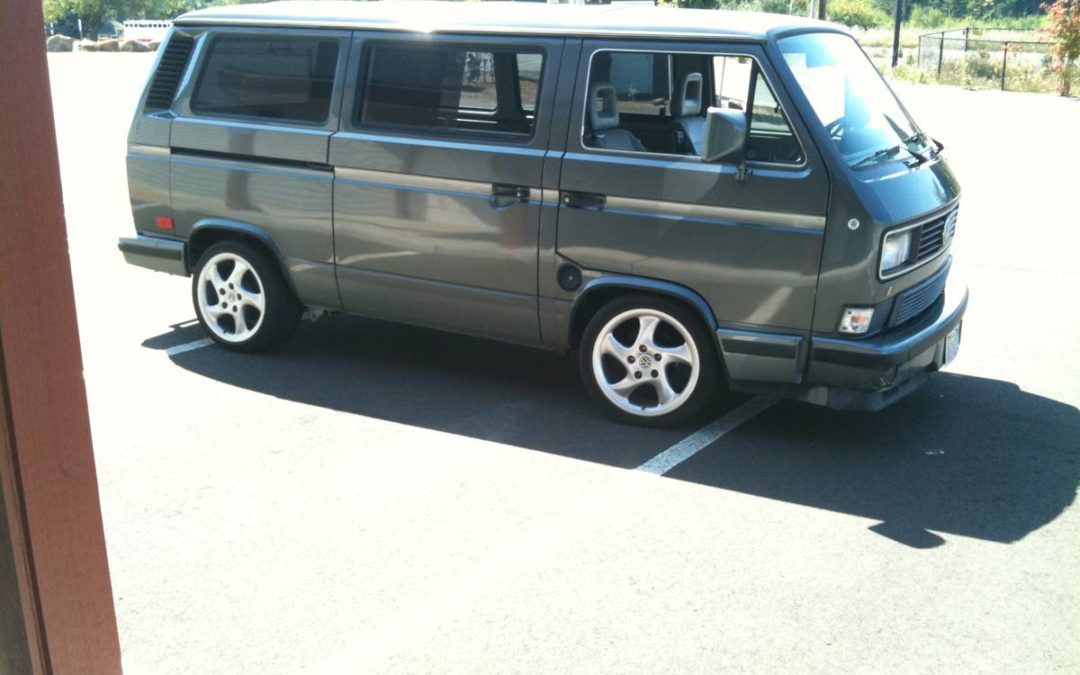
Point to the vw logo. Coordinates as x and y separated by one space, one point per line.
645 361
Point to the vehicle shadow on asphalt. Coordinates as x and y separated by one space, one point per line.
962 455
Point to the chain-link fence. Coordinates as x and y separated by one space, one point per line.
1014 60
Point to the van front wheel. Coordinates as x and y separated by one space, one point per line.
648 361
242 299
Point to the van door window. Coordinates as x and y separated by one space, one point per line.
286 78
528 76
641 82
658 102
451 89
771 138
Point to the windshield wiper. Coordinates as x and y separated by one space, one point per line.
921 139
874 156
918 155
916 137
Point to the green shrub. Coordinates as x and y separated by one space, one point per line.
857 14
775 6
928 17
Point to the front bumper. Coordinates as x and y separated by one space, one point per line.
870 374
848 374
156 253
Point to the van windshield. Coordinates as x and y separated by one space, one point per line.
852 102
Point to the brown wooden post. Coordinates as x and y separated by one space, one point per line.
55 594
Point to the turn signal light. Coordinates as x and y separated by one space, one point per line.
856 320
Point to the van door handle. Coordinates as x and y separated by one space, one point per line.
504 196
583 200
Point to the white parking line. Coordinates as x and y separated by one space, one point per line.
702 438
180 349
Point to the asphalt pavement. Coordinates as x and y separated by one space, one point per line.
383 498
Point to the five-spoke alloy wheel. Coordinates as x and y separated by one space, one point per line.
241 298
648 360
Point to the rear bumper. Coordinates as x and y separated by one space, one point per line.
156 253
872 373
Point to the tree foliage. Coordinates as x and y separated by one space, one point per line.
94 13
1065 30
857 14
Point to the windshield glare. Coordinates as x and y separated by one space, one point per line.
850 99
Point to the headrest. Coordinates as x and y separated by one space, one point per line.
689 103
603 107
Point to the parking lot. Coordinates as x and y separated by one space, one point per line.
381 498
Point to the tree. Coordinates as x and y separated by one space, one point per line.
1065 30
92 13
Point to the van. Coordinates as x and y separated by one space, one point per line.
688 198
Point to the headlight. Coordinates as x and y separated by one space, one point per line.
895 251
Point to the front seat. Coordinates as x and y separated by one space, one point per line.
604 120
689 122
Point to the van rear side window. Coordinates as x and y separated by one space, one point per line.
450 88
286 78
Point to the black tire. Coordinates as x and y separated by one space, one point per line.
696 392
268 327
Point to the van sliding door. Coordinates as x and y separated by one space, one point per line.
438 173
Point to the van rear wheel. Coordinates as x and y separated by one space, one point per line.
242 299
648 361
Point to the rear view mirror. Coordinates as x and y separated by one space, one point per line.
725 135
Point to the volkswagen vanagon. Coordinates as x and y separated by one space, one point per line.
686 197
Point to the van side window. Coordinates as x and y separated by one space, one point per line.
277 77
451 89
657 103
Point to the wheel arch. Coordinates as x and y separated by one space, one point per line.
206 233
603 290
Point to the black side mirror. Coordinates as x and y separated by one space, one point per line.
725 135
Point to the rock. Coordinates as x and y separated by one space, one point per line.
86 46
133 46
109 45
153 45
59 43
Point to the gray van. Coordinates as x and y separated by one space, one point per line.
683 196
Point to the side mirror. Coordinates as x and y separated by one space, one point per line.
725 135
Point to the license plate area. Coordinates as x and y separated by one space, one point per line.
952 345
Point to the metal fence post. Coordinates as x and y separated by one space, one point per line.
940 54
1004 64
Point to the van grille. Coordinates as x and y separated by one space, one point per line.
170 69
916 299
935 235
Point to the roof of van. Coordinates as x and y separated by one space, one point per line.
514 18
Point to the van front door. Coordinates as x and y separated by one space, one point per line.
437 181
636 199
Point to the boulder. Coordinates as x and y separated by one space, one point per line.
86 46
59 43
133 46
109 46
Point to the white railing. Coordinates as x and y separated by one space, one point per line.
145 29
